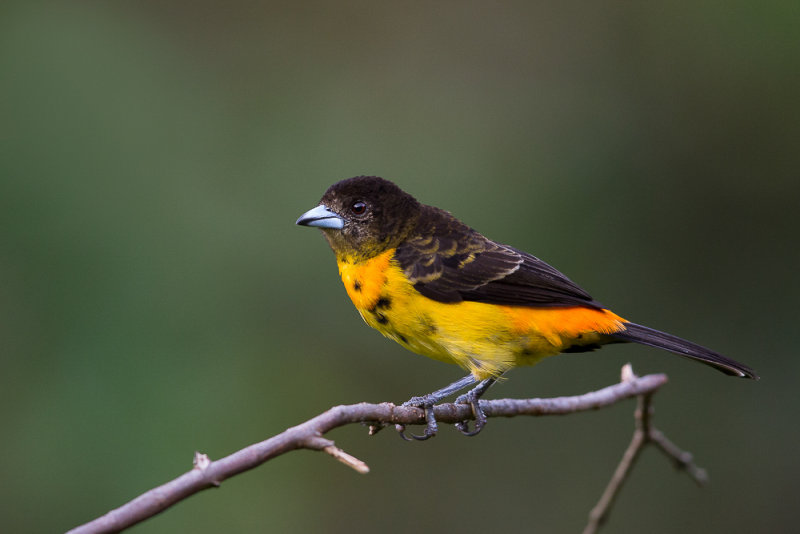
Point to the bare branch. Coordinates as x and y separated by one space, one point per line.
644 434
308 435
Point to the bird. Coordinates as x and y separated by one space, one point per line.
441 289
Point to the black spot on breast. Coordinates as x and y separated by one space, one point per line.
381 318
357 285
428 325
402 338
384 303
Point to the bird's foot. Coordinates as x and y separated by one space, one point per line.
472 397
425 402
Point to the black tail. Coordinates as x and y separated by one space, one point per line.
647 336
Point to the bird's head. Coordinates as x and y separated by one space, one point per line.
364 216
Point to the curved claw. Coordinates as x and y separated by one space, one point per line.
431 428
480 417
401 429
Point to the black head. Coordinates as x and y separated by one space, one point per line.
363 216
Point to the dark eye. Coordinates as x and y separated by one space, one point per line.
358 208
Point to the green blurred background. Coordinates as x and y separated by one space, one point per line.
156 298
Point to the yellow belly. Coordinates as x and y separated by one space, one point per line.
484 338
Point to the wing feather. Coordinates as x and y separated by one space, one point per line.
454 263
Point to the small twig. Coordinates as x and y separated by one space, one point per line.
308 435
683 460
643 434
347 459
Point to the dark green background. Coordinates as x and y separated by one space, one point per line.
156 298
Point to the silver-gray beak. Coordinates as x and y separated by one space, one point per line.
321 217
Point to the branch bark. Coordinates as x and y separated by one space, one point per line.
309 435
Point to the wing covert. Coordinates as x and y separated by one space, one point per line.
454 263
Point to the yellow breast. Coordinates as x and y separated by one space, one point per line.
484 338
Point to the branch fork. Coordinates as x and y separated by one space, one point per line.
643 434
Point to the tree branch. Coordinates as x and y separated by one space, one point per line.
644 434
308 435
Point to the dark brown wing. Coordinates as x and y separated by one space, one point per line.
454 263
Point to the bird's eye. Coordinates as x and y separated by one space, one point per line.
358 208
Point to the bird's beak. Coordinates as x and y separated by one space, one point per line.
321 217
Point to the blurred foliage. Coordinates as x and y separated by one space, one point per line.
156 299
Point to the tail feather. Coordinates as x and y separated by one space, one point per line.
654 338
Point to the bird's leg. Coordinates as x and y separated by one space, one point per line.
472 397
426 402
